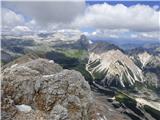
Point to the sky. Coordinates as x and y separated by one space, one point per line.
117 20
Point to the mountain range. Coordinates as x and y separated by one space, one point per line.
129 75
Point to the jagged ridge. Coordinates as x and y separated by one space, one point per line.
112 66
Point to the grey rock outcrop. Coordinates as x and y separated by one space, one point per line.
52 93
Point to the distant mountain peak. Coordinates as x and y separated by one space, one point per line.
99 47
109 64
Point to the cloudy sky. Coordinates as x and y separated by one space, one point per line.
101 20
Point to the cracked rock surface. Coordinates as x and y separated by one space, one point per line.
52 92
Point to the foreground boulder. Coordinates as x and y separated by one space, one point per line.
40 89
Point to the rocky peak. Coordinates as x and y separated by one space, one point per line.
45 86
144 58
20 60
41 89
100 47
110 65
84 42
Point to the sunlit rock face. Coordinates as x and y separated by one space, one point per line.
41 89
144 58
109 64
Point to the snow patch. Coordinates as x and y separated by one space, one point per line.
90 42
14 65
98 113
24 108
51 61
101 117
47 76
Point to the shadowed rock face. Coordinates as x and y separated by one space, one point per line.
51 92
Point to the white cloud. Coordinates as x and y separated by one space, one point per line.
105 16
31 23
21 29
149 35
123 34
110 21
11 19
146 35
105 33
134 36
48 12
86 33
69 31
94 33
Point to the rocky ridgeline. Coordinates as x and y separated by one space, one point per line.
110 66
39 89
